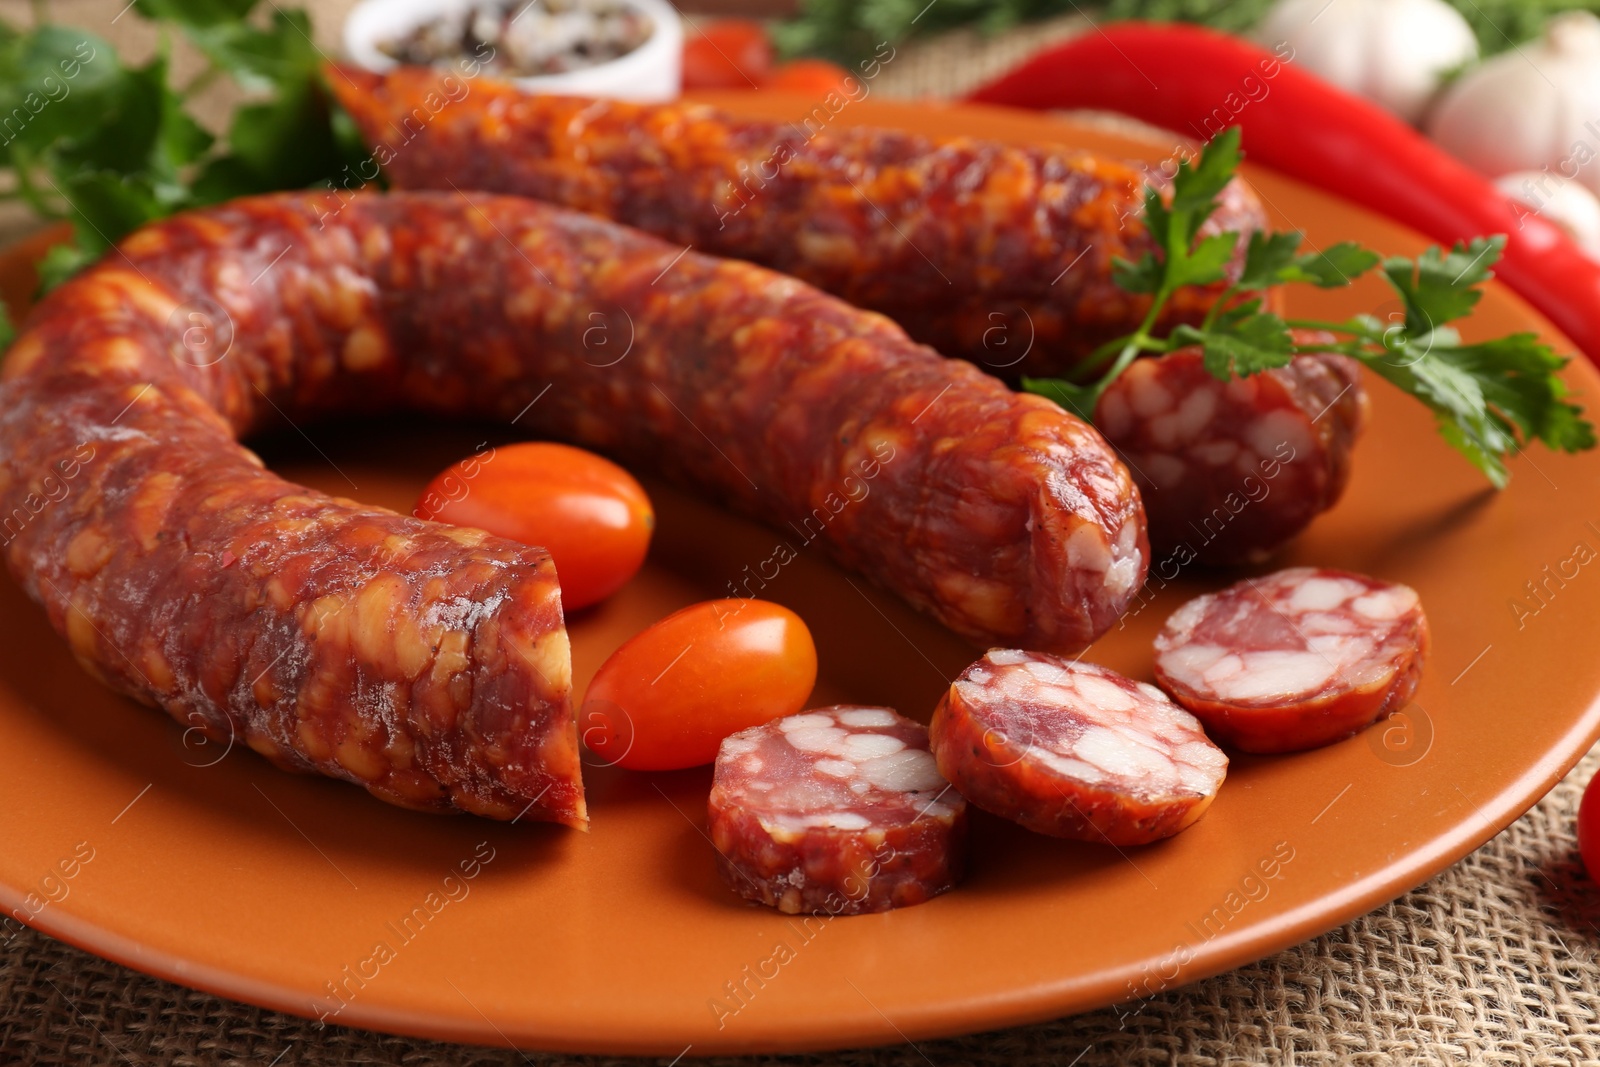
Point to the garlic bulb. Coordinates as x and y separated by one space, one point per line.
1534 107
1565 203
1393 52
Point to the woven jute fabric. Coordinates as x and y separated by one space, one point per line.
1493 961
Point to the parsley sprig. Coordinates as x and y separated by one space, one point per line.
1489 399
110 145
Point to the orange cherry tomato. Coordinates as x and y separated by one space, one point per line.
813 77
667 698
587 511
726 54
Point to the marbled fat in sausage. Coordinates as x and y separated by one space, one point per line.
1230 470
995 253
1295 659
1073 749
837 811
428 663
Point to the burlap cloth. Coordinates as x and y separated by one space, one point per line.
1493 961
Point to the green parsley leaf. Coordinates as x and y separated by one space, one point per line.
261 60
107 204
1276 259
1456 399
1197 184
1334 267
1174 226
288 142
144 128
1490 398
1144 275
64 260
55 81
1267 257
1440 287
1158 220
1206 264
1241 343
1516 376
1078 399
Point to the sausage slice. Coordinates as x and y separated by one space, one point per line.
1296 659
1073 749
840 811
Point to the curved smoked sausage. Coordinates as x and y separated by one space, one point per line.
429 663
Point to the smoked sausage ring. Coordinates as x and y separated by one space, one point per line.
430 663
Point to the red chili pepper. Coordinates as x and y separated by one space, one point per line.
1198 81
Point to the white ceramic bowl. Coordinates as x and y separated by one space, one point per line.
653 71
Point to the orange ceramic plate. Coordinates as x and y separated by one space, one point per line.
212 869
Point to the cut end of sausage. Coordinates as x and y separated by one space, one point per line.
1296 659
840 811
1073 749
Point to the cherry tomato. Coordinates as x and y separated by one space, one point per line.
813 77
668 697
1589 828
726 54
587 511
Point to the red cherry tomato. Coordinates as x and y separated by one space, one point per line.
726 54
1589 828
587 511
812 77
668 697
